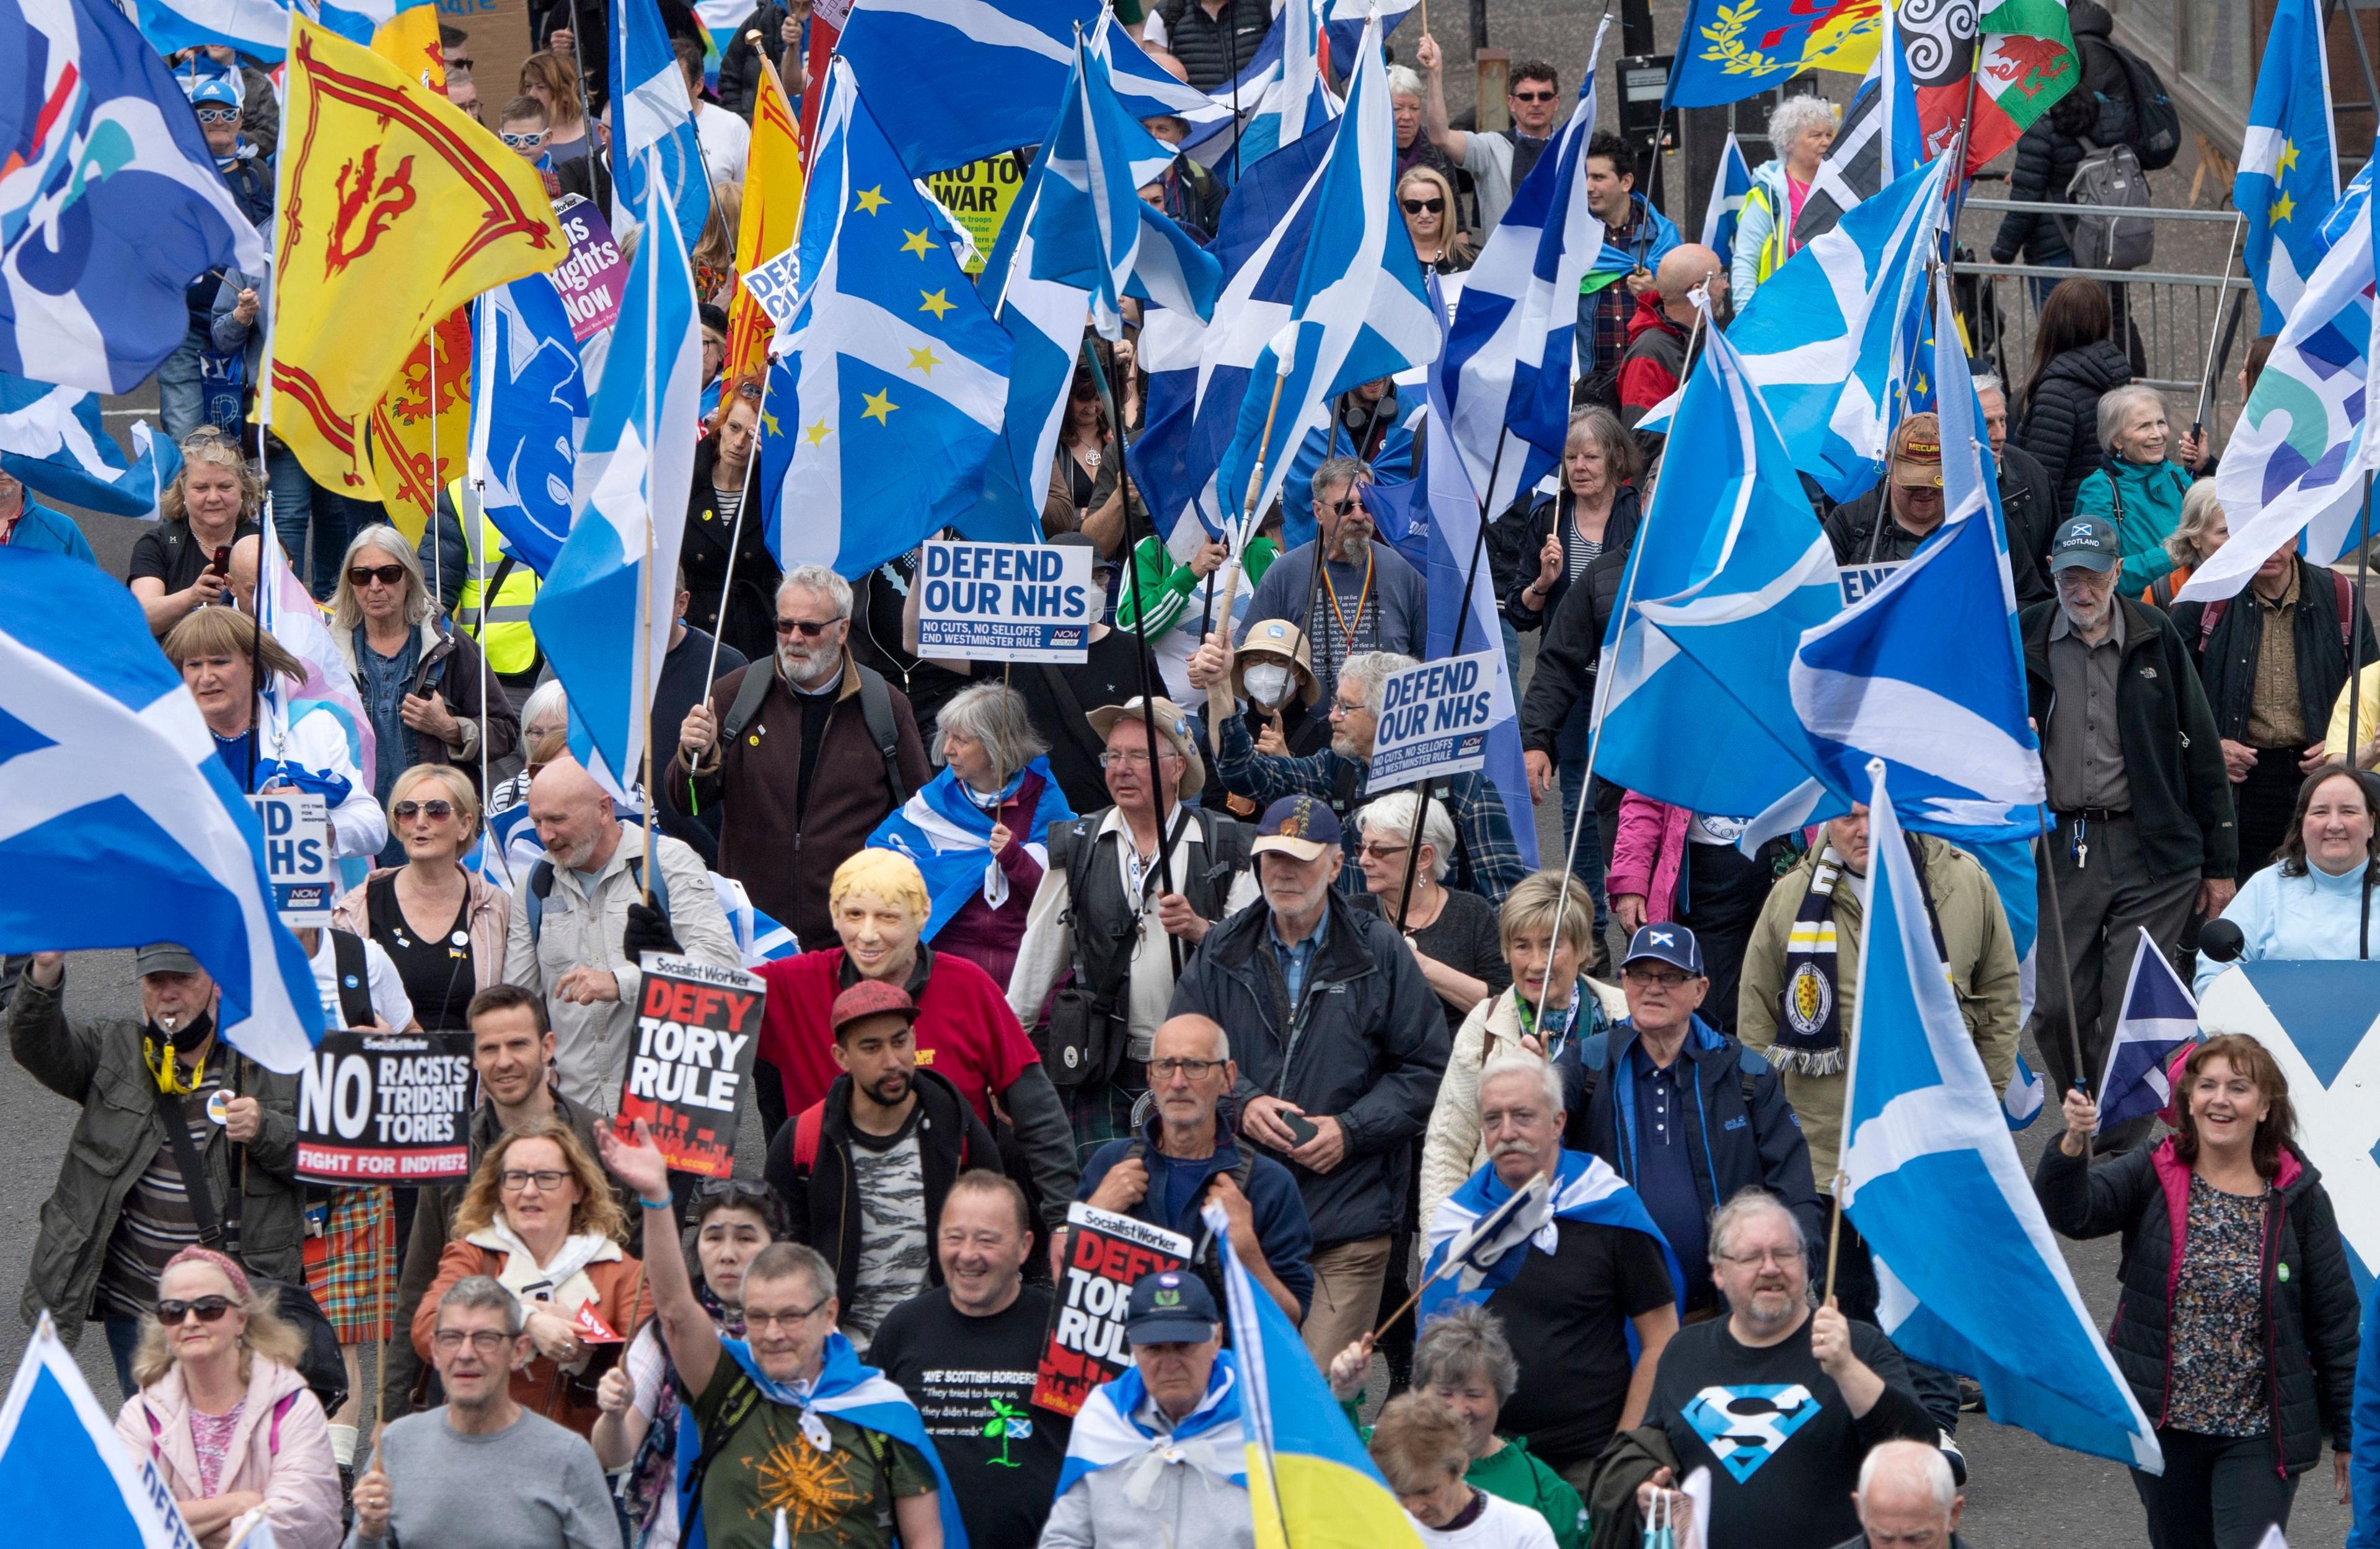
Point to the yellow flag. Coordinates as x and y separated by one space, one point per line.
395 210
413 452
772 218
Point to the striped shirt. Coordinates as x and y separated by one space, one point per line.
157 1220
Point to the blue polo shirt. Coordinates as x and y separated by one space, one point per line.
49 532
1665 1124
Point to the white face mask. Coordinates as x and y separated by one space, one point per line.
1266 684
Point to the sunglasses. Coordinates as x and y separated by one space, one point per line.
405 812
1347 507
1416 206
1533 96
809 629
218 115
209 1309
529 140
387 575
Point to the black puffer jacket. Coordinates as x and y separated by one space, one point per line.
2226 655
1568 653
1527 536
2050 151
740 67
1213 48
2061 415
2028 505
2310 1310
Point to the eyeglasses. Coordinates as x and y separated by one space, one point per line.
547 1180
1341 708
1532 96
1166 1069
1384 852
487 1341
1780 1257
1416 206
405 812
1669 980
1132 758
528 142
808 628
209 1309
387 575
755 1320
218 115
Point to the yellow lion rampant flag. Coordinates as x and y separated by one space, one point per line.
395 210
771 220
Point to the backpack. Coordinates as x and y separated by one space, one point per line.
875 707
2157 124
2110 176
2340 589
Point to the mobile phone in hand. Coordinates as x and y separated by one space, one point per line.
1300 1128
221 564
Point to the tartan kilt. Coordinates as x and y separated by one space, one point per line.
356 1252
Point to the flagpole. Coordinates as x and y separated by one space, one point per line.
2355 681
655 209
1220 701
735 531
2218 341
1851 1064
2065 954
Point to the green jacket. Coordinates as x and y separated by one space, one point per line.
97 1064
2144 501
1513 1473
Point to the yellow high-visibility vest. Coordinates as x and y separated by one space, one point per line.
510 645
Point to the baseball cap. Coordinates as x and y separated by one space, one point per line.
1300 826
871 998
1170 1307
2087 542
164 957
1172 725
219 90
1917 452
1670 942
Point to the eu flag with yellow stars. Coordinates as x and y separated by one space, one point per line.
890 384
2288 168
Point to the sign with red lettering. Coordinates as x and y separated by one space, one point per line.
697 1030
592 1328
1105 1254
386 1107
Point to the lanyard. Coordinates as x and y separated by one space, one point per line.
1363 598
1559 1022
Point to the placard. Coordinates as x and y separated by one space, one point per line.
772 285
386 1107
299 860
1435 719
1105 1254
979 197
1006 601
698 1030
1858 581
592 275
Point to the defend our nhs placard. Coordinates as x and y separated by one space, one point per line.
1006 601
298 858
1435 719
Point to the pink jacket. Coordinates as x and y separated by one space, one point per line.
281 1449
1647 853
490 917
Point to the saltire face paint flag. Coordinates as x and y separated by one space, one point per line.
110 202
770 222
655 120
529 414
1729 50
56 442
1970 1277
120 825
1508 356
1310 1481
1044 322
1360 313
69 1477
2159 1018
1728 185
1880 139
605 611
893 377
2289 164
2028 62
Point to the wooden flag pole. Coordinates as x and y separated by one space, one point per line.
1220 701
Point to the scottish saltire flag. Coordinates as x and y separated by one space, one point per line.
948 834
1043 320
56 442
529 414
973 79
1728 185
1211 1437
654 121
1971 1279
2288 166
110 203
1880 139
1200 376
1730 51
2159 1018
890 391
1090 226
1728 571
2025 1096
1508 356
258 28
2297 456
119 825
1310 1481
1479 1236
758 938
604 612
1343 23
1294 101
1360 313
1831 337
70 1477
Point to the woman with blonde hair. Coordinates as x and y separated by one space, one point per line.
552 79
714 253
184 563
2202 530
539 1218
222 1412
1434 221
441 923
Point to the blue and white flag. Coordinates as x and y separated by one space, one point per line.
1360 313
1291 97
604 612
1728 570
1970 1277
654 122
758 938
1090 226
2289 166
56 442
2025 1096
110 205
119 824
1729 183
69 1477
1212 1436
1479 1239
948 833
1043 320
2159 1018
2297 456
892 378
1343 21
528 415
973 79
1508 357
258 28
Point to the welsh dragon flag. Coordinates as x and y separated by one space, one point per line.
2027 63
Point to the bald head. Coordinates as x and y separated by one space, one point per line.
1684 268
1907 1499
573 815
1190 1037
1190 1073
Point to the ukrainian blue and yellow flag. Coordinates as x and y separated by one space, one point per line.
2288 168
1310 1481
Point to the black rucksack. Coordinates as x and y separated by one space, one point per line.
2157 124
